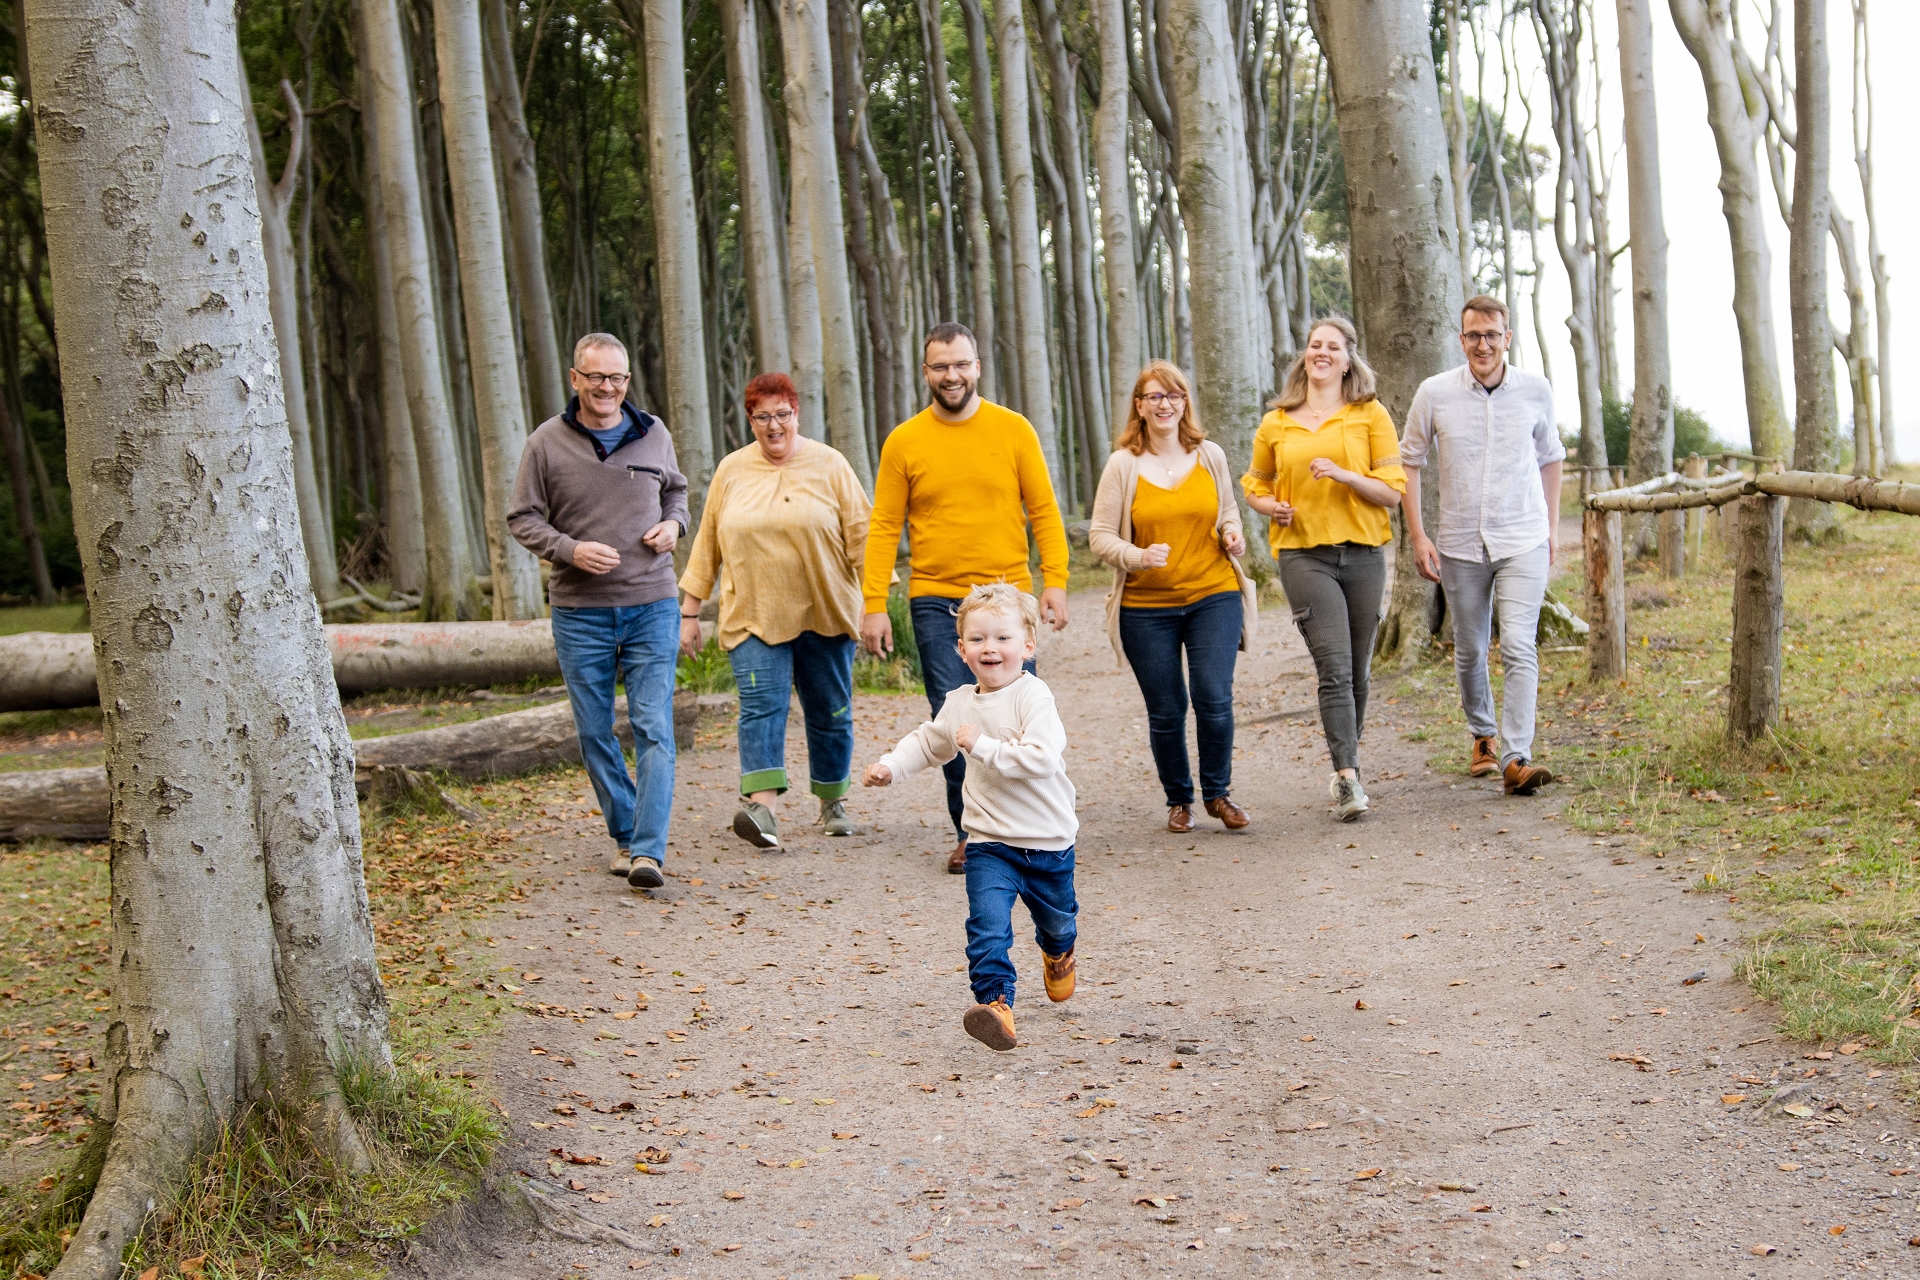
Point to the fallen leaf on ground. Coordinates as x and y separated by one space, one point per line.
600 1199
1361 1004
1481 1208
1071 1202
1458 982
1762 1250
659 1220
1364 1174
1798 1110
733 1195
843 1136
1839 1229
1850 1049
1307 1039
1786 1168
1731 1099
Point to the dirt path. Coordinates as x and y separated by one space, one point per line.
1452 1039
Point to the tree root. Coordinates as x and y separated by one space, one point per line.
148 1154
561 1219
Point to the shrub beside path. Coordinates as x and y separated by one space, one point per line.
1454 1038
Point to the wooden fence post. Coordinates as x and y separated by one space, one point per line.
1604 555
1759 615
1695 468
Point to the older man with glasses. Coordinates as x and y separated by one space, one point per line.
1490 429
966 477
600 495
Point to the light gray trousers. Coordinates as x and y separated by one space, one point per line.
1516 586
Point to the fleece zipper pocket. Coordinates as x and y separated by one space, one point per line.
633 473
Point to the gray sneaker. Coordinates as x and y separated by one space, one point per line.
1349 797
645 874
754 823
621 862
833 816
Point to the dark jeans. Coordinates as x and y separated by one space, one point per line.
820 669
1209 631
996 875
1335 593
937 635
637 645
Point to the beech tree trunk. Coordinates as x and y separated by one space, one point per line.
276 235
865 216
227 757
17 474
1227 364
1085 356
980 245
1028 300
493 356
816 179
1863 122
1815 400
1125 342
449 592
986 141
1406 269
526 227
1759 616
1650 439
1706 28
759 182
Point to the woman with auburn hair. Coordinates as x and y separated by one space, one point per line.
1166 520
1326 467
784 533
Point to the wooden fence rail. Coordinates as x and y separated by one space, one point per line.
1753 704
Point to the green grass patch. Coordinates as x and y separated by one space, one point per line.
1813 834
65 618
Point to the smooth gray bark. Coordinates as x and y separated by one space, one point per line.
493 355
449 590
276 235
526 227
227 757
1125 342
1079 268
986 141
1863 122
1406 269
1816 403
759 228
1650 439
1028 301
1706 29
20 479
980 246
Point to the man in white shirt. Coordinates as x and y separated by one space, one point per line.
1490 430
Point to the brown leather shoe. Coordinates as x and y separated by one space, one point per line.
1524 779
991 1025
1059 973
1484 763
957 860
1180 818
1231 815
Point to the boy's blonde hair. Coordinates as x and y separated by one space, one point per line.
997 597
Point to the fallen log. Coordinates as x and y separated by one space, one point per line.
71 804
42 671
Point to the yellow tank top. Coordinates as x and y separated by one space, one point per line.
1182 517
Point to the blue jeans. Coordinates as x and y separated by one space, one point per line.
1209 631
996 875
938 637
820 669
639 645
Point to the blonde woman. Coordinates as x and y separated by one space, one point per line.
1326 467
1166 520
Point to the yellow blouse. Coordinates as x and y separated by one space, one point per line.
1359 438
1182 517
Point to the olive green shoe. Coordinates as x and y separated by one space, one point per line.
754 823
833 816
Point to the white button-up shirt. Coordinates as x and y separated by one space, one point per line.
1489 446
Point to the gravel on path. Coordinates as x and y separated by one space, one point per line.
1453 1038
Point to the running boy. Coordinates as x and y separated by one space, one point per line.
1018 802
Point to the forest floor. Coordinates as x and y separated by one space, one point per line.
1456 1037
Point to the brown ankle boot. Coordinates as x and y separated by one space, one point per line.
1483 763
1059 973
1523 779
991 1025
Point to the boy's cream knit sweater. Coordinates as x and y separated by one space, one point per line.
1017 791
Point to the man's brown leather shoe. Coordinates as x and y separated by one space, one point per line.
991 1025
1231 815
1524 779
1059 974
1484 763
957 860
1180 818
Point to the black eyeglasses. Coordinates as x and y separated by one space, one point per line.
1482 338
782 416
598 380
1158 398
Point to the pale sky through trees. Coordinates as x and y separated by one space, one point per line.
1706 347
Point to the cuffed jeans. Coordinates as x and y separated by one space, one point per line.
1209 632
637 645
820 669
1516 586
937 635
996 875
1335 593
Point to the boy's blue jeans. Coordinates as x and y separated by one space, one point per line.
996 875
637 644
820 669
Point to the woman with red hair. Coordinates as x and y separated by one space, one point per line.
783 538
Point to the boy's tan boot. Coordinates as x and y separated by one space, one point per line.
991 1025
1059 971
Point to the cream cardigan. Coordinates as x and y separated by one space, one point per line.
1110 534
